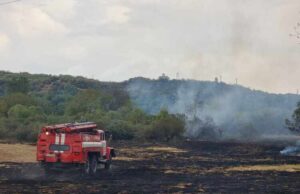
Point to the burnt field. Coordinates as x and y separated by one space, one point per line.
188 167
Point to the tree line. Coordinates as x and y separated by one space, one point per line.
24 111
28 102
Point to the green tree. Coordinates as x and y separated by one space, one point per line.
19 111
202 128
26 114
120 130
3 108
13 99
166 127
294 124
85 102
18 84
137 116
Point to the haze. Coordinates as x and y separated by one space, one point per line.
116 40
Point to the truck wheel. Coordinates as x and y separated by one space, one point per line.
94 164
90 167
86 166
107 164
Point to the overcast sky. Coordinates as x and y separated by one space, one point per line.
116 40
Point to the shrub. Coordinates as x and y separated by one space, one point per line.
204 129
166 127
120 130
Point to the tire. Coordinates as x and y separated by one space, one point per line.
94 165
90 167
86 166
107 164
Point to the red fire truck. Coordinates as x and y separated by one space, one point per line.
80 144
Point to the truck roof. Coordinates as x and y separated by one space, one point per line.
69 127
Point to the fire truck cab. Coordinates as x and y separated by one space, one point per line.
82 144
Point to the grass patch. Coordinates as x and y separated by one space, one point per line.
17 153
165 149
283 168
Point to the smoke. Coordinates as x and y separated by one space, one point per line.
292 150
216 110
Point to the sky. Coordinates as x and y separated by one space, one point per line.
249 40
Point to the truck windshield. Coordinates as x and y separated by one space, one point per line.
55 147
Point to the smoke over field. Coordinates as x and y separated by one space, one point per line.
216 109
292 150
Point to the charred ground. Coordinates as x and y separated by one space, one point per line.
187 167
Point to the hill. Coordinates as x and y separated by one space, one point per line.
236 110
210 109
27 102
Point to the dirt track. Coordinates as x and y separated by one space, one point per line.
155 168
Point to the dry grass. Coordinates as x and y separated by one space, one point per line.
165 149
152 149
186 170
182 185
125 158
283 167
145 153
17 153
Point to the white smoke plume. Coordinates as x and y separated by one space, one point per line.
229 111
291 150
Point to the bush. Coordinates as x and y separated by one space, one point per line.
166 127
120 130
26 134
204 129
294 124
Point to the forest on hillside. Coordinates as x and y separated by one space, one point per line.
140 108
29 102
213 107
